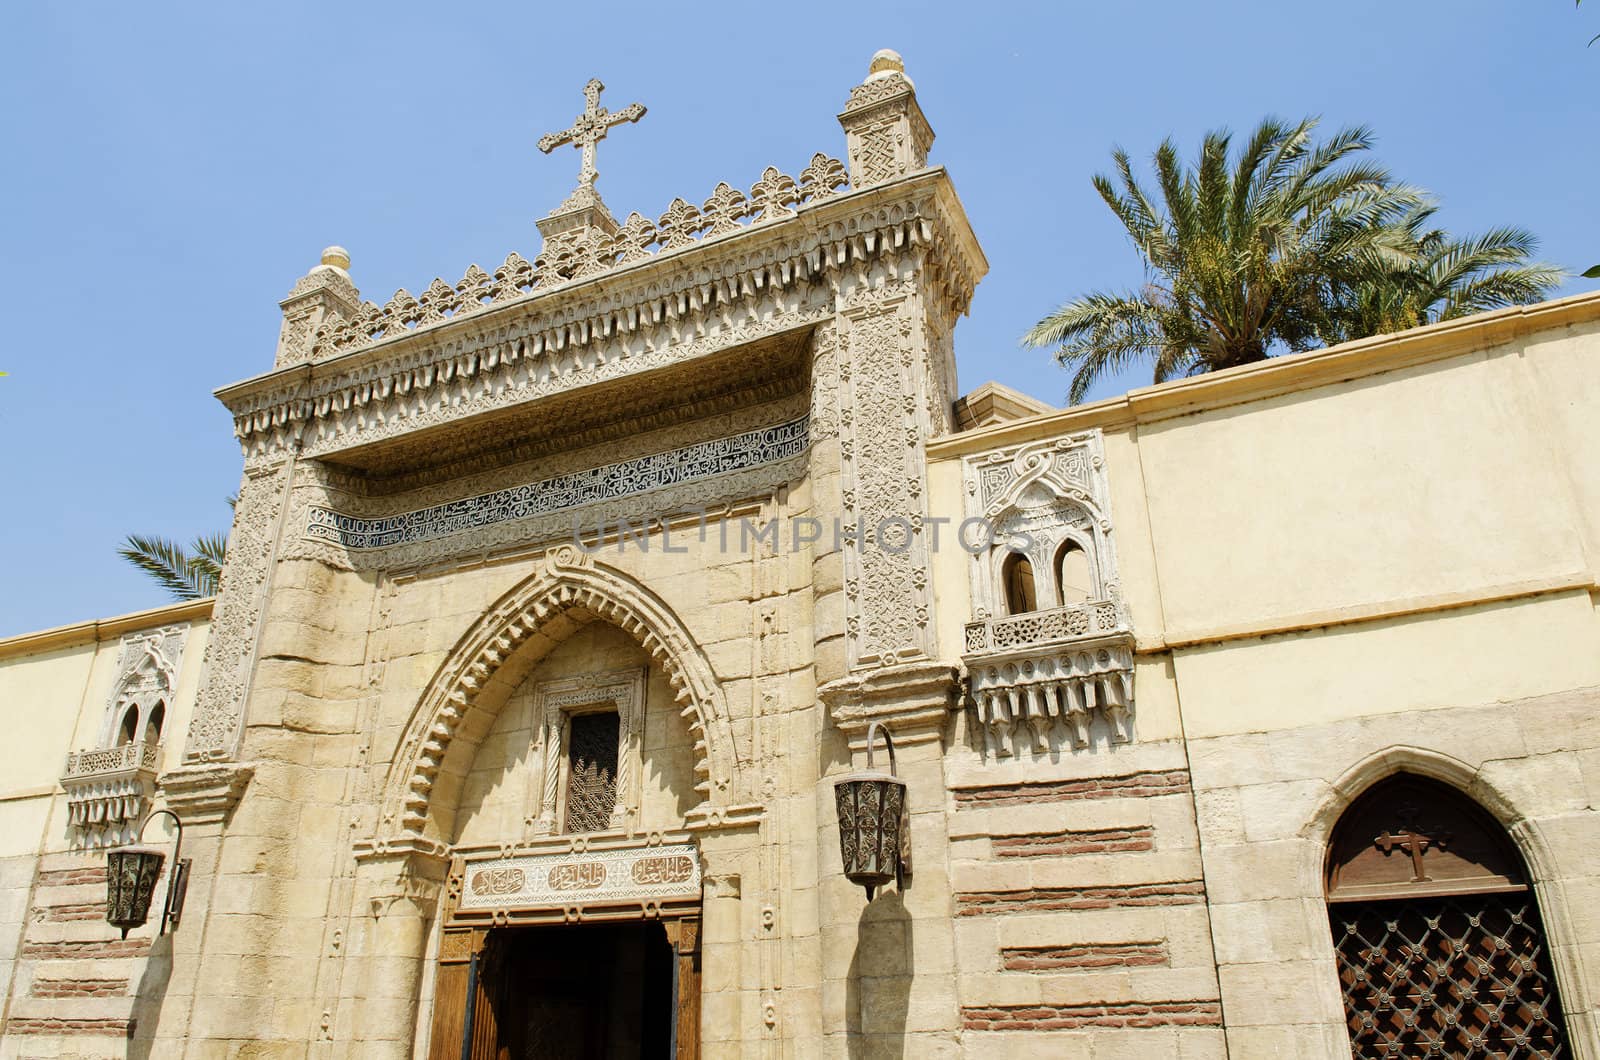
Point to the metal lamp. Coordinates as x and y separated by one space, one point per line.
874 823
131 874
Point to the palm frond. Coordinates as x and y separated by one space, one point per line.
173 569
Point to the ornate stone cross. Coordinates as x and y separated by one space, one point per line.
588 129
1413 840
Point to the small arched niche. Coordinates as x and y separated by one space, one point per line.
1074 574
1016 576
1439 943
156 721
128 731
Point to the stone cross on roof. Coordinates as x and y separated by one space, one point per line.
587 130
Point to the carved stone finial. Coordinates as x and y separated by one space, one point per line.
885 131
324 295
886 62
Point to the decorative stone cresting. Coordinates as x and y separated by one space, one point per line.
725 212
571 582
730 292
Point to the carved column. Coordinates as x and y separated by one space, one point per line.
885 132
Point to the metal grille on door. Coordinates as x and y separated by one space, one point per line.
1459 976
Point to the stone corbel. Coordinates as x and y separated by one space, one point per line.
912 701
205 794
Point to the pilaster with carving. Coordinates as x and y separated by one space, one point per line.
230 655
883 424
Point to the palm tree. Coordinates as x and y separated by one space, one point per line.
1239 260
1446 278
188 574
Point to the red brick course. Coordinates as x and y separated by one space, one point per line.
74 911
1134 785
1050 899
1072 1017
68 877
80 988
70 1026
87 948
1090 956
1094 841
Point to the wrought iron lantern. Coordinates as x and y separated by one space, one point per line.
874 822
131 875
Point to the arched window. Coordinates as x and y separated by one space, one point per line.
1074 574
152 726
1437 933
129 731
1016 573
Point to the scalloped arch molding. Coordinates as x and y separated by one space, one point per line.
492 657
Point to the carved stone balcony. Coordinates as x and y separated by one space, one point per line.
1046 678
1096 617
109 791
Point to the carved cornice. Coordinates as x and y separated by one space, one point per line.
667 309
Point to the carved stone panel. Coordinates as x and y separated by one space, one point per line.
888 603
231 646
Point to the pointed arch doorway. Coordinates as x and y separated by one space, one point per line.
1440 947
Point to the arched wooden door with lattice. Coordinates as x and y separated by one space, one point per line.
1441 950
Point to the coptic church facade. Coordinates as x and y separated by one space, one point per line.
1249 715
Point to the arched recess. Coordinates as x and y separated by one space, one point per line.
1454 842
491 659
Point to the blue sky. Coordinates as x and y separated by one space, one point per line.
171 169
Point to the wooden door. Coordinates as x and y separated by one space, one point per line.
684 934
465 1010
